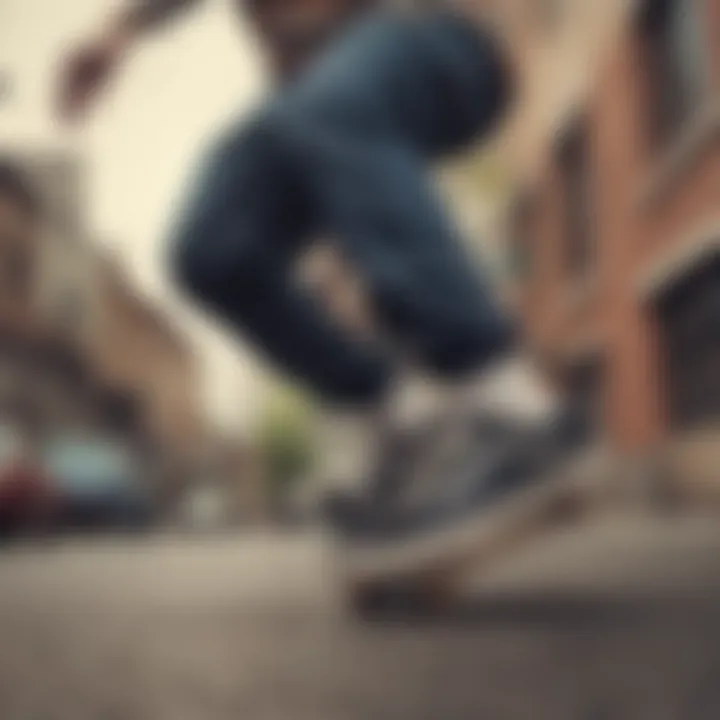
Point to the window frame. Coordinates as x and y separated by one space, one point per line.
575 168
673 98
689 321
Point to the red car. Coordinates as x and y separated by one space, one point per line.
27 498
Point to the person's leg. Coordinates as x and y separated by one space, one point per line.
363 125
429 294
233 249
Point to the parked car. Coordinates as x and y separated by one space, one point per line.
27 498
98 483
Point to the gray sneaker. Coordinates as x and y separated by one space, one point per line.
457 482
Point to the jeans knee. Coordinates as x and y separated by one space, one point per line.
207 265
216 241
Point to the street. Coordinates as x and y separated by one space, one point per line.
614 623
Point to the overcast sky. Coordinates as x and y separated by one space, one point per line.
176 92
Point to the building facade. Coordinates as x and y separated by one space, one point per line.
615 230
43 302
135 348
80 347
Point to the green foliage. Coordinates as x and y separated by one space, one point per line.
286 441
483 173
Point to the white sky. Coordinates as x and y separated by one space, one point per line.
142 142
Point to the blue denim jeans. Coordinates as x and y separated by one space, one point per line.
344 152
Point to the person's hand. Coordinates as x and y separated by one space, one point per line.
85 73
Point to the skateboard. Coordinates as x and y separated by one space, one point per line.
421 575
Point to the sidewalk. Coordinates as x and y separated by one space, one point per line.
624 557
613 620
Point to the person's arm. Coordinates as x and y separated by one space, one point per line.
90 66
142 15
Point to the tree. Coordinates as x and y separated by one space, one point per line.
286 443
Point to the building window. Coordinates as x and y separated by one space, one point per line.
690 323
121 411
678 63
17 271
70 311
521 235
584 383
576 176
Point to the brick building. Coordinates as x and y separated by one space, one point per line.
42 373
616 227
135 348
79 345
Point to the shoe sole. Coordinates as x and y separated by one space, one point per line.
433 565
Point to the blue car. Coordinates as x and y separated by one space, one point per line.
99 484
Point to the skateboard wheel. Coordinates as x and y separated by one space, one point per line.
388 600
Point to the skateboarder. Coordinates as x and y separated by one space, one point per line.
367 98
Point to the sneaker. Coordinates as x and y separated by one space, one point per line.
400 452
473 474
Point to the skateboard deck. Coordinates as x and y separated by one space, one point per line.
429 573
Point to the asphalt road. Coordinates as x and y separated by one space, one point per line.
587 627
